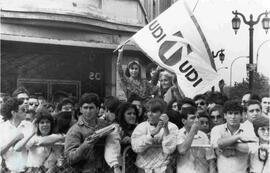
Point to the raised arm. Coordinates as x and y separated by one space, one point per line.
186 144
169 139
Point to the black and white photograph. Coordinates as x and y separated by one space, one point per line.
135 86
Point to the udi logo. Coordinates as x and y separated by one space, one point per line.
171 52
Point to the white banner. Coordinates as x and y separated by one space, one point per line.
175 41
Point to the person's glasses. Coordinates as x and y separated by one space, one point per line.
200 103
36 104
215 116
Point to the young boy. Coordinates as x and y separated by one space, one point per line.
259 161
230 141
191 142
155 139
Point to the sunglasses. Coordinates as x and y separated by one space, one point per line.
31 104
200 103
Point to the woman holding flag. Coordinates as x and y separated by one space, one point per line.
131 81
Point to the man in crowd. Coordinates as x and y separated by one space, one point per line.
253 110
33 103
200 101
155 139
266 105
229 141
193 158
84 152
216 115
23 94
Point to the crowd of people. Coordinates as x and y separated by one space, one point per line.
165 131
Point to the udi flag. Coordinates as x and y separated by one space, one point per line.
175 41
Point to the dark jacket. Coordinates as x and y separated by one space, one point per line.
84 158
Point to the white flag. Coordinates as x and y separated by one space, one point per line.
174 41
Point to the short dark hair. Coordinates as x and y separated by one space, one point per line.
252 102
65 101
111 103
12 104
89 98
156 104
187 100
134 96
199 96
261 121
204 115
188 110
20 90
218 108
44 115
233 105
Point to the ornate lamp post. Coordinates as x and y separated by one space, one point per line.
221 55
236 25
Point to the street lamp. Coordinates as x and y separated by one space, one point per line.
257 55
236 25
231 67
220 53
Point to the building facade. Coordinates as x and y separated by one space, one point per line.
67 46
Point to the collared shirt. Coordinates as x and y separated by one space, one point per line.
15 161
229 160
81 157
195 160
153 153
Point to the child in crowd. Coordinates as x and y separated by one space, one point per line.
259 161
155 139
40 151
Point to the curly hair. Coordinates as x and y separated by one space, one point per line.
41 115
89 98
121 114
12 104
233 105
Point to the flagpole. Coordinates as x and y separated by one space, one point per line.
121 45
